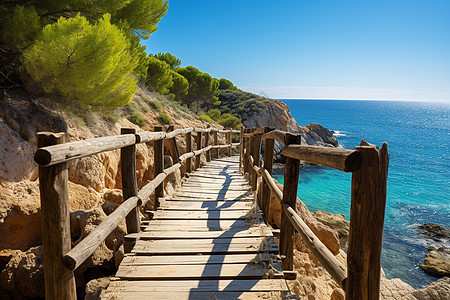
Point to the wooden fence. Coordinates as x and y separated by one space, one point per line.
60 260
369 166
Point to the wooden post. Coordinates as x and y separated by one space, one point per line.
247 152
241 148
171 144
158 148
188 149
198 141
229 141
216 152
268 163
55 222
366 223
129 186
291 174
207 153
256 144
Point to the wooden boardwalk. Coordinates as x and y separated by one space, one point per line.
206 242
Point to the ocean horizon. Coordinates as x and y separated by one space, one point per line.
418 137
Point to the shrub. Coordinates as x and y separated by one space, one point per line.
21 27
155 104
230 121
135 116
214 114
204 117
88 64
165 118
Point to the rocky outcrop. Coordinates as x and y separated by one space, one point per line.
438 290
437 262
336 222
435 232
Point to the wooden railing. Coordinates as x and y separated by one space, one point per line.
369 166
60 260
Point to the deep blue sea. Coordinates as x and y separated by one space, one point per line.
418 137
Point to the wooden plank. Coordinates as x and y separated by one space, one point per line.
210 205
200 225
139 260
256 231
130 294
200 215
204 199
205 246
187 272
256 285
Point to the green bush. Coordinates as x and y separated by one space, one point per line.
155 104
165 118
214 114
85 63
135 116
230 121
204 117
21 28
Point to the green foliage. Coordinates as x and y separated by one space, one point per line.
214 114
204 116
142 15
225 84
180 86
155 104
21 27
230 121
203 88
170 59
88 64
135 116
165 118
159 78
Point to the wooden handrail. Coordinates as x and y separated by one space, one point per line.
52 155
336 269
275 134
337 158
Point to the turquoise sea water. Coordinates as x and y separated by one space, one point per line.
418 137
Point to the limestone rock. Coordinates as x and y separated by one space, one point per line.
436 232
95 287
336 222
23 275
395 289
88 171
437 262
114 196
438 290
316 134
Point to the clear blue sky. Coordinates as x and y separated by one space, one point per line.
313 49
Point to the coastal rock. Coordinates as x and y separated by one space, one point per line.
336 222
395 289
437 262
95 287
438 290
435 232
317 135
23 275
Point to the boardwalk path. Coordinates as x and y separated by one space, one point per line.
206 242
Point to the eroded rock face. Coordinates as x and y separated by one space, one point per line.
435 232
23 275
438 290
336 222
437 262
317 135
95 287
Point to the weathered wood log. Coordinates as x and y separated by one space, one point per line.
55 154
291 174
246 151
268 163
177 132
203 129
229 142
75 257
188 150
366 223
336 269
149 188
55 222
254 132
256 145
198 142
158 150
207 153
148 136
187 156
272 185
129 184
172 169
241 148
216 143
341 159
275 134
